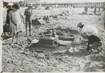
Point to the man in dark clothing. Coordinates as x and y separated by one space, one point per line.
94 43
6 27
27 14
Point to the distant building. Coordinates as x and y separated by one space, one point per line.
98 5
67 3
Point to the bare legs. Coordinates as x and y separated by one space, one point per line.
15 38
28 26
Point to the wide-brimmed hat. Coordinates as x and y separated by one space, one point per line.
10 4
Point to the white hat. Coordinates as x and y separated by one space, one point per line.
10 4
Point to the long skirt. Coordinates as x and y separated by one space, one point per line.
13 28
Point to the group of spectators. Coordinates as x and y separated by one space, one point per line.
16 21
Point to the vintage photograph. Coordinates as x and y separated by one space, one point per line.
53 36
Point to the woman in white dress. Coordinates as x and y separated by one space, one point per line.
16 22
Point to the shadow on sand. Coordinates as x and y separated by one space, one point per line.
44 48
41 48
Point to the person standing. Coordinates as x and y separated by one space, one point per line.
16 23
6 26
27 14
